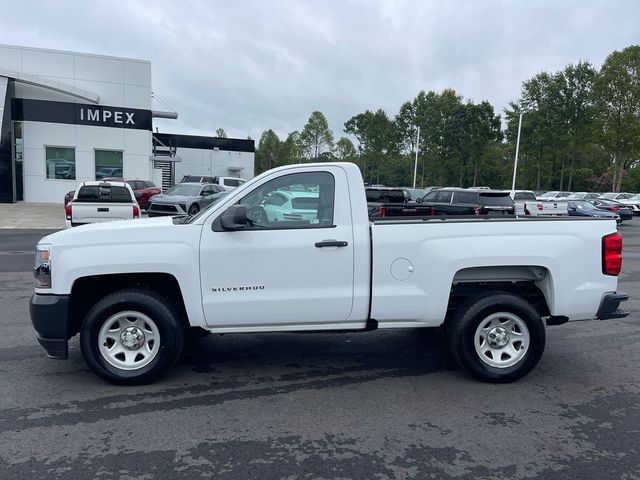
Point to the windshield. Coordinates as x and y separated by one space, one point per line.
186 190
549 195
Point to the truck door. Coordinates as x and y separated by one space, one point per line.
296 270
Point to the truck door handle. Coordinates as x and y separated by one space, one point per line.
331 243
103 209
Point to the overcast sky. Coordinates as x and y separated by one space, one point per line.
251 65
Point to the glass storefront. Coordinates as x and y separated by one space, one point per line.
61 163
108 164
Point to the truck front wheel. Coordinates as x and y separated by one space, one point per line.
497 337
131 337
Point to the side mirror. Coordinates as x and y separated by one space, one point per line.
234 218
419 200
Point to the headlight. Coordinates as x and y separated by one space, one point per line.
42 268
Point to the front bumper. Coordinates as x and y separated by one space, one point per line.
50 318
165 210
610 306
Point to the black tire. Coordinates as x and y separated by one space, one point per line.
193 209
157 308
467 320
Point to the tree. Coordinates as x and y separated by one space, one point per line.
291 149
345 151
316 138
617 93
220 133
268 151
376 140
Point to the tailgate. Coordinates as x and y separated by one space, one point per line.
553 208
84 212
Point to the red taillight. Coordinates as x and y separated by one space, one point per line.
539 206
382 211
612 254
477 210
433 212
67 210
136 211
614 209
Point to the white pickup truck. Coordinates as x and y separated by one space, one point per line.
133 290
526 203
101 201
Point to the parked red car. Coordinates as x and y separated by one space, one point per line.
142 189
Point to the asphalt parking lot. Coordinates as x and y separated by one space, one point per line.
377 405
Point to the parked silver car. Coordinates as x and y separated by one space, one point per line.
184 198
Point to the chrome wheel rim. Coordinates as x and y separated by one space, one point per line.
129 340
502 340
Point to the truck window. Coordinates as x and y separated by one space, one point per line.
496 200
232 182
104 193
298 200
443 197
465 197
524 196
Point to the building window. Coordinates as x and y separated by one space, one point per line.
108 164
61 163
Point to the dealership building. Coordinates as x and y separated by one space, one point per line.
68 117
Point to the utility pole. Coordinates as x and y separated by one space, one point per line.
415 164
515 165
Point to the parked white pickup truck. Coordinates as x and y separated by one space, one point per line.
526 204
133 290
95 202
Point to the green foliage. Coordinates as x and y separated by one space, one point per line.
316 138
268 152
220 133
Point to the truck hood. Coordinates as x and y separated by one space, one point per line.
77 235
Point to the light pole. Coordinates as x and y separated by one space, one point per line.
515 165
415 164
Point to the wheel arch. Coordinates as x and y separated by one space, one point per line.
86 291
534 283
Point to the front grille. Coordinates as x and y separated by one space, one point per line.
163 208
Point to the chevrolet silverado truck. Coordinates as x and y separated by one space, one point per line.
134 290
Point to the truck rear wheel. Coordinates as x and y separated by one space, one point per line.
131 337
497 337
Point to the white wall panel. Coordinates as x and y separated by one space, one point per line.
137 166
48 63
33 162
137 73
137 142
90 138
137 97
39 189
110 93
99 68
85 166
11 58
38 134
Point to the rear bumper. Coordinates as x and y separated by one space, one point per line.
50 318
610 306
